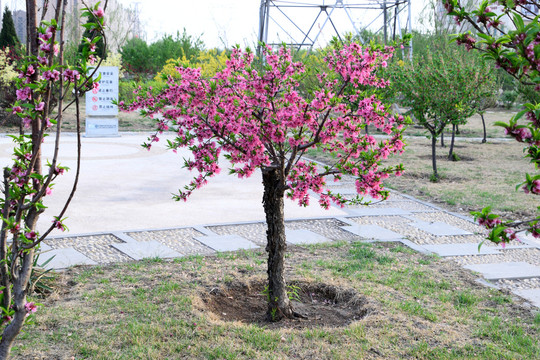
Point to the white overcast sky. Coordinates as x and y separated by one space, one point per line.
223 22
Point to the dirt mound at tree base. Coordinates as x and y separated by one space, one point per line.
318 304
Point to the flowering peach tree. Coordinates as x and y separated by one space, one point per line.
258 120
43 76
508 33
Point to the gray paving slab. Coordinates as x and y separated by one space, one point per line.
439 228
146 249
415 247
373 232
304 237
204 230
369 211
464 249
124 237
507 270
533 295
63 258
226 242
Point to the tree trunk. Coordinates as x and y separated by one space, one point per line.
21 273
442 139
451 152
434 156
484 140
19 293
279 305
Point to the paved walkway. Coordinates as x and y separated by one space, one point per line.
123 212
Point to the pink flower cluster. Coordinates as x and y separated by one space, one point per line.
261 120
534 187
30 308
521 134
489 223
466 40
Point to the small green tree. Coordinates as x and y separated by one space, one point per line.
136 56
441 88
8 35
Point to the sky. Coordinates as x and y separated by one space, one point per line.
224 23
220 22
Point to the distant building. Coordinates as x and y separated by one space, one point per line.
19 19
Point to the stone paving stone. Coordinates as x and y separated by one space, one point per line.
96 247
463 249
329 228
373 232
63 258
180 240
369 211
304 237
255 232
439 228
146 249
226 242
533 295
508 270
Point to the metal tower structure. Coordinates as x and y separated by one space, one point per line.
136 20
309 23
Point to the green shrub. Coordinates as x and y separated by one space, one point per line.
126 88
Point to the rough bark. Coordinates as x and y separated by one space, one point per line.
19 294
484 140
279 305
442 139
434 155
451 152
21 264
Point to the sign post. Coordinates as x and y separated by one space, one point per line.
101 113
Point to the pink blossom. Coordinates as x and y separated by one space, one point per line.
24 94
53 75
30 307
71 75
26 121
43 60
58 224
17 109
40 106
98 13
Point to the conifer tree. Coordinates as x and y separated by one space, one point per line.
8 35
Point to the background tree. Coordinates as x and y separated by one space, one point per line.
8 35
259 120
141 58
440 87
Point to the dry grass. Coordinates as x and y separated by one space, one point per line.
486 175
417 307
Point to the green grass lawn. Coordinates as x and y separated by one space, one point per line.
412 306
